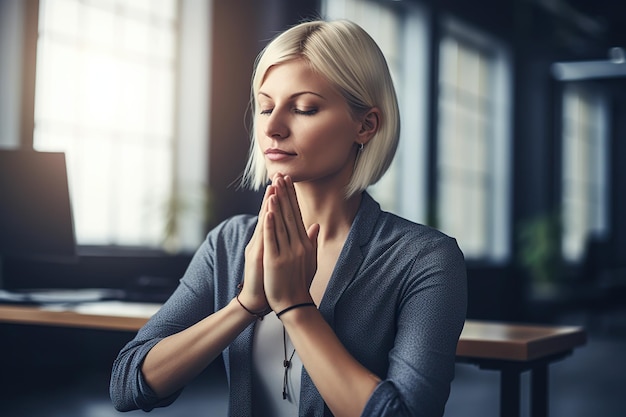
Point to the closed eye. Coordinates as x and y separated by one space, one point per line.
296 111
305 112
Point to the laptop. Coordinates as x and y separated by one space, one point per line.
35 211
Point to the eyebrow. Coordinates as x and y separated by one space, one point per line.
294 95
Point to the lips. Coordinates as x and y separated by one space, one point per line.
274 154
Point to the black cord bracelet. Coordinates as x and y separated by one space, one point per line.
280 313
258 315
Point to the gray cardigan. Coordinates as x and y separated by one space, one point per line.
396 299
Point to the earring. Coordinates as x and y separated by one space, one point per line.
358 154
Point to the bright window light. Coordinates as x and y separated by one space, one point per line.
585 168
473 143
105 95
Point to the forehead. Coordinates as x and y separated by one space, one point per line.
294 76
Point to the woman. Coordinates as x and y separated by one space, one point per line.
367 307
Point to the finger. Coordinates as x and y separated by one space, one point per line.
254 248
286 211
312 234
295 207
269 237
291 210
280 231
269 191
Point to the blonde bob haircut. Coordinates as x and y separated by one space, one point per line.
343 53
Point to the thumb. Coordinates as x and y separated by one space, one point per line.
313 233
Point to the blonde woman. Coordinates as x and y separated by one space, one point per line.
323 304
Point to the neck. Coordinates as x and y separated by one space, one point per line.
331 210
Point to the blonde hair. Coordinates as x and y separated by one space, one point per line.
343 53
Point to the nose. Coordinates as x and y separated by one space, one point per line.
276 126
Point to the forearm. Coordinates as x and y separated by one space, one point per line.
344 384
177 359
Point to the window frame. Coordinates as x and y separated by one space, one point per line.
499 241
403 189
190 129
599 225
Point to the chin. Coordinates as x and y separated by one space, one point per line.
274 171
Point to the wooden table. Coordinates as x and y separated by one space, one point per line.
508 348
513 349
98 315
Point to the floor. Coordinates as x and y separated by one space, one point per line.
589 383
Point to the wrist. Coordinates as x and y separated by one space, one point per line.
259 314
252 308
293 307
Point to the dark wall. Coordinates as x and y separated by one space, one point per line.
618 173
537 37
235 47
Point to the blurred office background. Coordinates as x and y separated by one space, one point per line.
513 140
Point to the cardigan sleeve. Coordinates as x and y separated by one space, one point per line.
191 301
430 317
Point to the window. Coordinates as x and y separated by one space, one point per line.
473 143
400 30
472 166
585 168
105 94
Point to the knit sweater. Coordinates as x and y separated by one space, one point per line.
397 300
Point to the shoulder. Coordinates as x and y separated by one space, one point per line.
381 233
238 224
234 231
411 236
426 257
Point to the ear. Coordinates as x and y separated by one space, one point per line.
370 122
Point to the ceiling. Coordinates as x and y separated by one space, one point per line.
605 19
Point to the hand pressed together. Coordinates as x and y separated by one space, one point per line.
253 294
289 250
281 257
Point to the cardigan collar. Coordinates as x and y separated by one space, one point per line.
351 255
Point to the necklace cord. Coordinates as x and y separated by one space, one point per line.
286 364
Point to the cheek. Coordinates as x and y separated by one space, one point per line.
342 129
333 145
340 136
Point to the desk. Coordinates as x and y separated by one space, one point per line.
513 349
104 315
508 348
